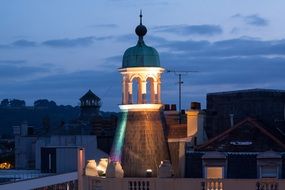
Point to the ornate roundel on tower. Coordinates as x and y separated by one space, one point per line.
141 55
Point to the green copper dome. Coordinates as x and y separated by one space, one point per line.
141 55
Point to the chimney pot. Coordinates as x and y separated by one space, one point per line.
166 107
173 107
195 106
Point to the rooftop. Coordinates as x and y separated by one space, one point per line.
8 176
254 90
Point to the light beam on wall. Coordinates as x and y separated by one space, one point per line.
119 138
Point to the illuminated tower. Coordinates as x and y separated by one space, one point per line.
140 143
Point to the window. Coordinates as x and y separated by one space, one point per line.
214 172
268 172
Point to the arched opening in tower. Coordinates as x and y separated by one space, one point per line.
150 91
136 88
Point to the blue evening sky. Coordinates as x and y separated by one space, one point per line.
58 49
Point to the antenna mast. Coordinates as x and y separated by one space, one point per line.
180 82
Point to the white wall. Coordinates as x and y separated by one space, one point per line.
24 151
88 142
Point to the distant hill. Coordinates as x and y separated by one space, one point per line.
44 113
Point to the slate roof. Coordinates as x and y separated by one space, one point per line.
253 130
89 95
254 90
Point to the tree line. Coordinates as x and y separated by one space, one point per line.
16 103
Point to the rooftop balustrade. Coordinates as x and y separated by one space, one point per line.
183 184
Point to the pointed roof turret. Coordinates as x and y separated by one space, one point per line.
89 95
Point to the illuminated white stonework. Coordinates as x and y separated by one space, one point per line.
140 107
143 76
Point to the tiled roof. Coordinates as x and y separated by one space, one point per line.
268 132
89 95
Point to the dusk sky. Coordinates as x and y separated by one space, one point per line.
58 49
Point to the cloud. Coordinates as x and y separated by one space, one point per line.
204 30
78 80
114 60
217 73
223 65
103 38
60 43
104 26
23 43
254 20
129 38
155 39
187 45
228 48
18 70
66 42
19 44
2 46
8 62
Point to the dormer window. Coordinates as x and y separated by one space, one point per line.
214 165
214 172
269 164
269 171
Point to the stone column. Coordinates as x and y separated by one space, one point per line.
124 95
126 92
154 95
130 92
158 93
140 98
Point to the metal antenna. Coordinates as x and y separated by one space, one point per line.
180 82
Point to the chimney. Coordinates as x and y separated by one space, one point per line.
166 107
195 123
173 107
195 106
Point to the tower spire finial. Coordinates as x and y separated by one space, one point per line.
140 17
141 29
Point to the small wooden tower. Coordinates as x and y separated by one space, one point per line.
89 105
